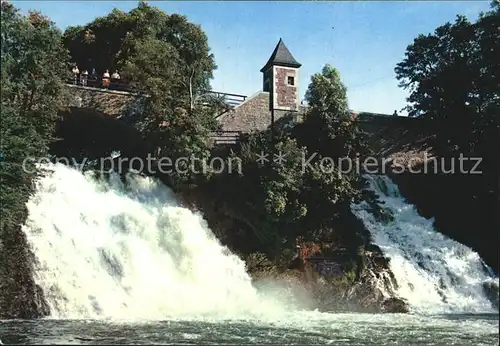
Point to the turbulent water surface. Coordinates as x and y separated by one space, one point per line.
299 328
124 263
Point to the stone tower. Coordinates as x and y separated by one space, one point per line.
281 79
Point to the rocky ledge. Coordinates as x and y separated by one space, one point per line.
373 291
20 296
364 284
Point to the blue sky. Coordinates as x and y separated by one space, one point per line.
366 42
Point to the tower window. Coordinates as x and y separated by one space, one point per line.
290 80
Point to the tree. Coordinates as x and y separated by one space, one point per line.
101 43
196 63
265 197
296 196
330 132
175 126
111 42
336 133
168 59
33 71
453 77
33 68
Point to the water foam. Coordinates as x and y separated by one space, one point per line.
434 273
115 250
106 249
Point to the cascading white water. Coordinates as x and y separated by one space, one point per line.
434 273
105 249
129 251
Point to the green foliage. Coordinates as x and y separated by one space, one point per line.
269 192
105 42
453 76
299 196
111 42
330 132
169 121
33 68
329 128
349 277
258 263
153 70
167 58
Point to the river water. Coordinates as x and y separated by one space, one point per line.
300 328
124 263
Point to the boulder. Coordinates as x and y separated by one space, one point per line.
395 305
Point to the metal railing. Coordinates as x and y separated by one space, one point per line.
225 137
232 100
114 84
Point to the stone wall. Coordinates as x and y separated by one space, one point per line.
255 115
286 95
110 102
250 116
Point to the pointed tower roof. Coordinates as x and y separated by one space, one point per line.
281 56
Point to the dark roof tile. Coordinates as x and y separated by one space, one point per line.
281 56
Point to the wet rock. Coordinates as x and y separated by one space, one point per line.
491 290
20 297
395 305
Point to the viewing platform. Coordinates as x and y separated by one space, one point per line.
121 87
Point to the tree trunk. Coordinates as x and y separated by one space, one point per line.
191 100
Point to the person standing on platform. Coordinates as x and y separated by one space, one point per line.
105 80
76 72
115 79
115 76
84 77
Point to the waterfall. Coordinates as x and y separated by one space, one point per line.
434 273
109 249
